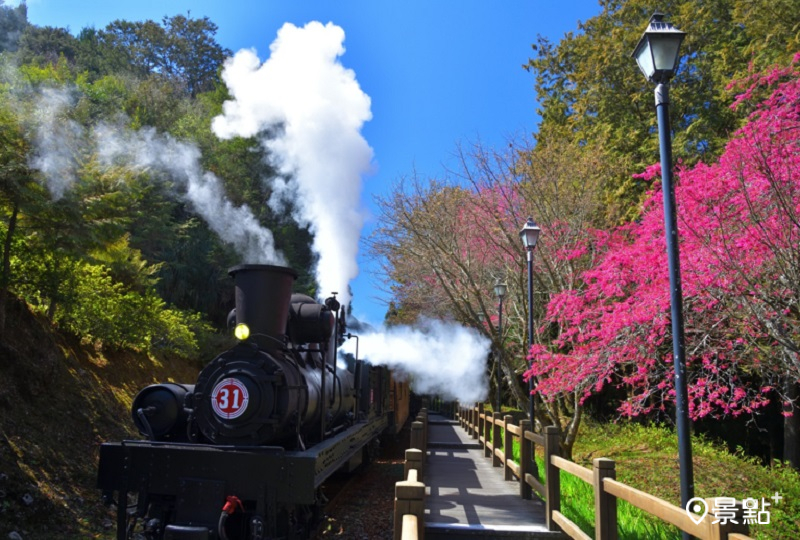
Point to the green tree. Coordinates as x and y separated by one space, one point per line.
46 44
194 55
590 89
114 253
13 21
98 56
16 188
180 49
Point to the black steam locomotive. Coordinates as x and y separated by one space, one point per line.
241 454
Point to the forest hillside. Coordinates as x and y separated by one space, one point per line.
59 401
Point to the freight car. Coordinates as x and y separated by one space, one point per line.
241 453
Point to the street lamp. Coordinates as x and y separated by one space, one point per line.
529 236
657 56
499 291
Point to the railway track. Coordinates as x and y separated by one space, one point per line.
360 505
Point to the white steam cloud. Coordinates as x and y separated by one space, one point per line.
148 150
319 107
61 145
57 141
443 359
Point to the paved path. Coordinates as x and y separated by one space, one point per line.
467 497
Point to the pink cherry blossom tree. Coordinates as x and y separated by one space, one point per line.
740 258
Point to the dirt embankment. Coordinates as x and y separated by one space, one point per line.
59 400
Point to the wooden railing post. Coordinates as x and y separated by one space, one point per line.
422 416
496 439
414 461
605 505
409 498
552 476
416 436
525 461
508 447
476 429
487 434
410 529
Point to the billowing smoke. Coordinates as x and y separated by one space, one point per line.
442 359
61 143
57 141
148 150
320 109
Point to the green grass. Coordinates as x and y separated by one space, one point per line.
647 459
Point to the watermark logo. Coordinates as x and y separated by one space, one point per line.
697 509
724 510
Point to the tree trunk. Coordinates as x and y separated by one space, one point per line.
571 433
5 270
791 426
519 392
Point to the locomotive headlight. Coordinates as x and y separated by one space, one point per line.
242 331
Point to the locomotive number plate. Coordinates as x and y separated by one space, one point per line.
229 398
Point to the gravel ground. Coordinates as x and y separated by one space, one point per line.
364 507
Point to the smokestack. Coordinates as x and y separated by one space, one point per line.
263 295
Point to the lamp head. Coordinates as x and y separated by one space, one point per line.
530 234
500 289
657 50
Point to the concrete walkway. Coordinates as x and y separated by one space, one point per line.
468 498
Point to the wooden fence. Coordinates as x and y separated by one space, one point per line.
409 494
487 428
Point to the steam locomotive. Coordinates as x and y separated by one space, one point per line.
242 453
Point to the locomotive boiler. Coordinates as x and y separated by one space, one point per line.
241 453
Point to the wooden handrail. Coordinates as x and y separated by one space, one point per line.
537 486
572 468
535 438
655 506
569 527
602 479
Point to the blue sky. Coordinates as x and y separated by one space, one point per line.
438 73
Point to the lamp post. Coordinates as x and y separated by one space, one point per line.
657 56
529 236
499 291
